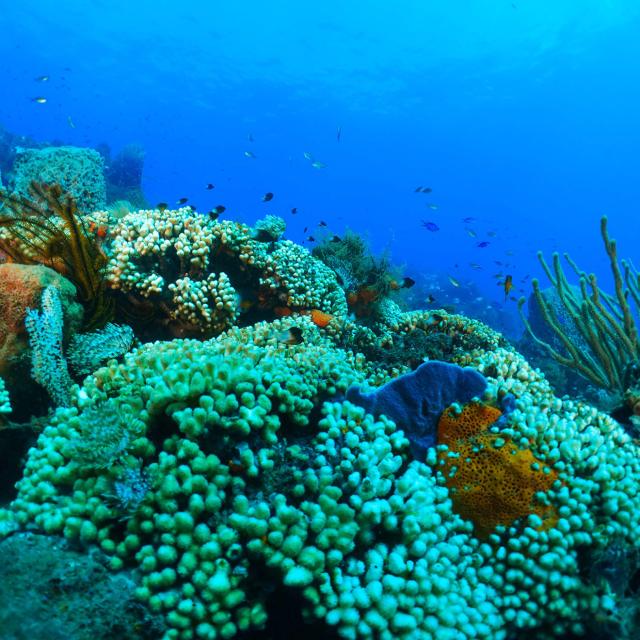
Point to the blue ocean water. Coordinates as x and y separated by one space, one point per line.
521 115
460 136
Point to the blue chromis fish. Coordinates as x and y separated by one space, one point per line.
216 211
453 281
318 165
39 100
430 226
433 206
249 154
308 156
471 233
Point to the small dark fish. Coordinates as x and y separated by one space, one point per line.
483 245
193 207
430 226
338 133
498 262
290 336
305 230
335 238
250 137
431 299
322 223
162 206
423 190
475 266
267 196
39 100
468 220
216 211
42 79
407 282
210 186
182 201
294 210
311 239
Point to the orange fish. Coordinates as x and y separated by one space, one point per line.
320 318
507 285
282 312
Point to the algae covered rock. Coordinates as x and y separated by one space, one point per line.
78 170
50 591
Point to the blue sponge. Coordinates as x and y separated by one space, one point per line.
415 401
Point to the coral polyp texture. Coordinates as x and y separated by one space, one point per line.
5 402
205 275
236 478
78 170
280 455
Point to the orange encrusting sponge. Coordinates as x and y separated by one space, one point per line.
491 481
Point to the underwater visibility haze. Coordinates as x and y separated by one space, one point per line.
319 319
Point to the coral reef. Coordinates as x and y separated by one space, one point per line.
415 401
368 280
48 229
234 478
198 277
48 363
491 480
597 331
5 403
21 288
234 468
49 590
87 351
78 170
